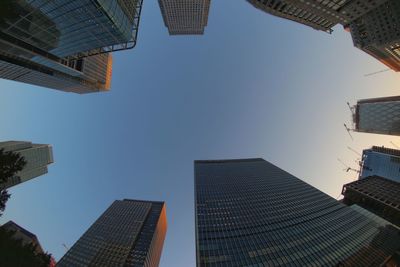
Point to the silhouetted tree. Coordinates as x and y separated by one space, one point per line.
10 164
14 253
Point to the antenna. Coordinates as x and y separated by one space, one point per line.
396 146
351 149
348 131
65 246
376 72
347 168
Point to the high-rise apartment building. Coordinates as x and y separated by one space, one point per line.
251 213
320 15
381 161
378 115
185 16
129 233
377 33
376 194
37 157
64 44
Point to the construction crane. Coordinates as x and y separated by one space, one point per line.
376 72
348 131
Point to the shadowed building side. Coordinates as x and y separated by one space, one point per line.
251 213
128 233
37 157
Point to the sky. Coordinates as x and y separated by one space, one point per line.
253 85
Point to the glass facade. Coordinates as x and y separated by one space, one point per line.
37 158
129 233
251 213
378 115
381 161
53 43
185 17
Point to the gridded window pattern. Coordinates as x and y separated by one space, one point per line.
378 117
377 33
376 194
37 158
251 213
68 27
122 236
185 16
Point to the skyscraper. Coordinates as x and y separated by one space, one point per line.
381 161
37 157
64 44
376 194
185 16
129 233
377 33
320 15
251 213
378 115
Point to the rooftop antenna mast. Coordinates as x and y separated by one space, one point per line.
351 149
347 168
376 72
65 246
348 131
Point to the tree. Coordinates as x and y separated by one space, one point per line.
16 254
10 164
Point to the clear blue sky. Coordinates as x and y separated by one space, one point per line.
253 86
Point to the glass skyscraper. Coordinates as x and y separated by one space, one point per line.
128 233
251 213
185 17
381 161
37 157
64 44
378 115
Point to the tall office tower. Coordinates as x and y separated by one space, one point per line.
129 233
251 213
64 44
37 157
377 33
378 115
376 194
320 15
381 161
185 16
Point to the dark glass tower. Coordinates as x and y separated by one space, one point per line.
64 44
251 213
129 233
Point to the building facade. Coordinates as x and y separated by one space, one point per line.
64 44
378 115
185 16
251 213
129 233
381 161
377 33
376 194
320 15
37 157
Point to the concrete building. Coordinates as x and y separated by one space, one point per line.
376 194
185 16
251 213
64 44
378 115
37 157
128 233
